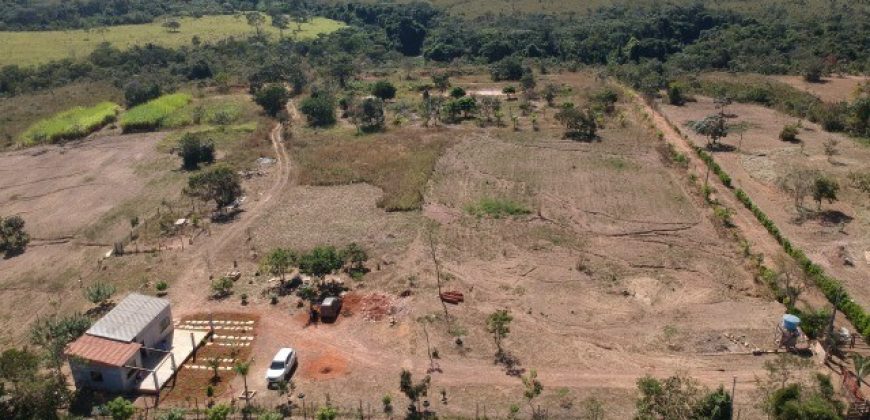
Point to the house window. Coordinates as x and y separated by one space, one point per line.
96 376
164 323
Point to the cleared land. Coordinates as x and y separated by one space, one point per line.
617 271
842 230
30 48
832 89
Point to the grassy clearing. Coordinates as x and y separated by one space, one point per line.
31 48
399 161
71 124
496 208
153 114
20 112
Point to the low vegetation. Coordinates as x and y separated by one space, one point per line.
73 124
13 237
497 208
152 114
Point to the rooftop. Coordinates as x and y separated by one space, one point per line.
101 350
126 320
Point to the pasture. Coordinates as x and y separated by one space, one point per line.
32 48
71 124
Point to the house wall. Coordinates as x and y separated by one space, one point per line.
105 378
157 331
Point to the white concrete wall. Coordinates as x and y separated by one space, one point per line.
152 335
115 378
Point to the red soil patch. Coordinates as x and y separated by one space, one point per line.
377 306
329 365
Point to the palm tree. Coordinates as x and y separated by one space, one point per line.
242 368
862 366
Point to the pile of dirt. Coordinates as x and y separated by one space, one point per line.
377 306
329 365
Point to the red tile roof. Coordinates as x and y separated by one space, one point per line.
101 350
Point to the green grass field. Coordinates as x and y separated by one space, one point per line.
153 114
71 124
29 48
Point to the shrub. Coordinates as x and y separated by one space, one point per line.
13 237
383 89
676 94
222 287
138 92
789 133
99 293
120 409
496 208
457 92
72 124
319 110
272 98
193 151
150 115
161 286
509 68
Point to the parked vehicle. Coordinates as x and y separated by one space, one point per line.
281 366
330 308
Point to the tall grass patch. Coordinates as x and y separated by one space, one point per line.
496 208
152 115
71 124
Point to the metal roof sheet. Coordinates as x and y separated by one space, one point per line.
127 319
101 350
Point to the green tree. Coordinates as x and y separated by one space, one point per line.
550 92
320 261
242 368
341 67
273 98
280 22
278 261
441 80
532 389
676 94
825 188
579 125
13 237
120 409
354 256
413 391
509 68
715 405
673 398
527 81
172 26
498 324
194 151
100 293
713 127
862 366
457 92
368 115
218 183
319 110
140 91
256 20
383 89
221 287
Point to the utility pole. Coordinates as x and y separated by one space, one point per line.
733 388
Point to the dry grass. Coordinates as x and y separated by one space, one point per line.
398 161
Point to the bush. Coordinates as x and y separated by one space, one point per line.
13 237
676 94
99 293
222 287
496 208
383 89
161 286
72 124
457 92
150 115
272 98
120 409
789 133
193 152
138 92
509 68
319 110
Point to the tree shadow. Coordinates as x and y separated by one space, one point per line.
833 217
721 147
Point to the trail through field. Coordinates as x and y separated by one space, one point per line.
192 284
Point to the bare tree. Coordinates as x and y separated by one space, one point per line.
433 253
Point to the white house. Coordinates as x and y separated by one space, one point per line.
111 355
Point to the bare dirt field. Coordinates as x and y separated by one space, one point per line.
617 271
842 230
63 193
832 89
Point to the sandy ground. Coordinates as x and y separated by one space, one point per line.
763 159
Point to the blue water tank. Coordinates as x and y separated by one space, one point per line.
790 322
